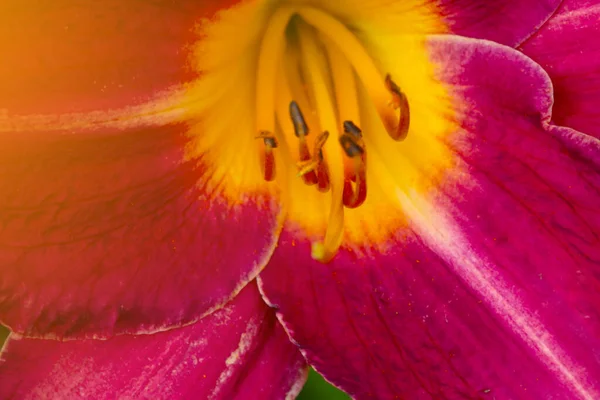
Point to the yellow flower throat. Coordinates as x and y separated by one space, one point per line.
321 90
316 72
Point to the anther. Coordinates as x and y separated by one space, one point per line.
270 142
351 128
398 102
300 126
268 138
351 148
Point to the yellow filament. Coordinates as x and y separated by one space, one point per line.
356 54
345 92
271 50
292 75
315 66
284 98
344 83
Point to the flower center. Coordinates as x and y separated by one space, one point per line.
310 70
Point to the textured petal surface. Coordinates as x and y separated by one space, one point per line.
76 55
107 224
492 288
504 21
111 231
568 49
240 351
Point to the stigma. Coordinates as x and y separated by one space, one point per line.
311 69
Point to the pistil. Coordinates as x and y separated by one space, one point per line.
315 66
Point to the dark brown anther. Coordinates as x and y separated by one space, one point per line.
351 128
399 102
350 146
270 142
300 126
268 138
355 184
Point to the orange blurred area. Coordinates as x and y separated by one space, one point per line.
81 55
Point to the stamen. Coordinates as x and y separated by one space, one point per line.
399 101
364 66
355 196
271 48
351 142
355 183
301 131
315 66
268 156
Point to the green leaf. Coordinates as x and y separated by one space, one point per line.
317 388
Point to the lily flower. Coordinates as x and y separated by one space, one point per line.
201 198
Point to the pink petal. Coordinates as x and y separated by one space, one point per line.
568 49
112 231
492 290
240 351
508 22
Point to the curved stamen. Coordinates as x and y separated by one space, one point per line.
351 142
355 183
399 101
356 196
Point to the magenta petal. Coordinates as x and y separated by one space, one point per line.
493 289
568 49
104 233
508 22
240 351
